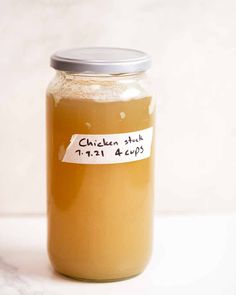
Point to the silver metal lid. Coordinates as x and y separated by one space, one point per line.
101 60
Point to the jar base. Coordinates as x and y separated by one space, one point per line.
90 280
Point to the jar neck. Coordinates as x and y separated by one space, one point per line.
100 77
100 87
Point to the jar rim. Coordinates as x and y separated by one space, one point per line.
101 60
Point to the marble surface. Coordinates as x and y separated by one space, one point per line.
192 255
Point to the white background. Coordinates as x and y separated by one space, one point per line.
193 45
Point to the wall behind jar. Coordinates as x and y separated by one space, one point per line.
194 68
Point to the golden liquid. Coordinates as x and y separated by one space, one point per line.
99 216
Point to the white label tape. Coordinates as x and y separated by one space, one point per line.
109 148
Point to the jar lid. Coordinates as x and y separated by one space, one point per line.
101 60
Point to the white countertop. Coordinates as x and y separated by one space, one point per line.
192 255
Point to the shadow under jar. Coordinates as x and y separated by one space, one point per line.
100 120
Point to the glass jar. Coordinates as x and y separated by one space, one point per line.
100 119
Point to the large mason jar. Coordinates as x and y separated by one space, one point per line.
100 154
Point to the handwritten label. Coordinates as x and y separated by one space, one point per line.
109 148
